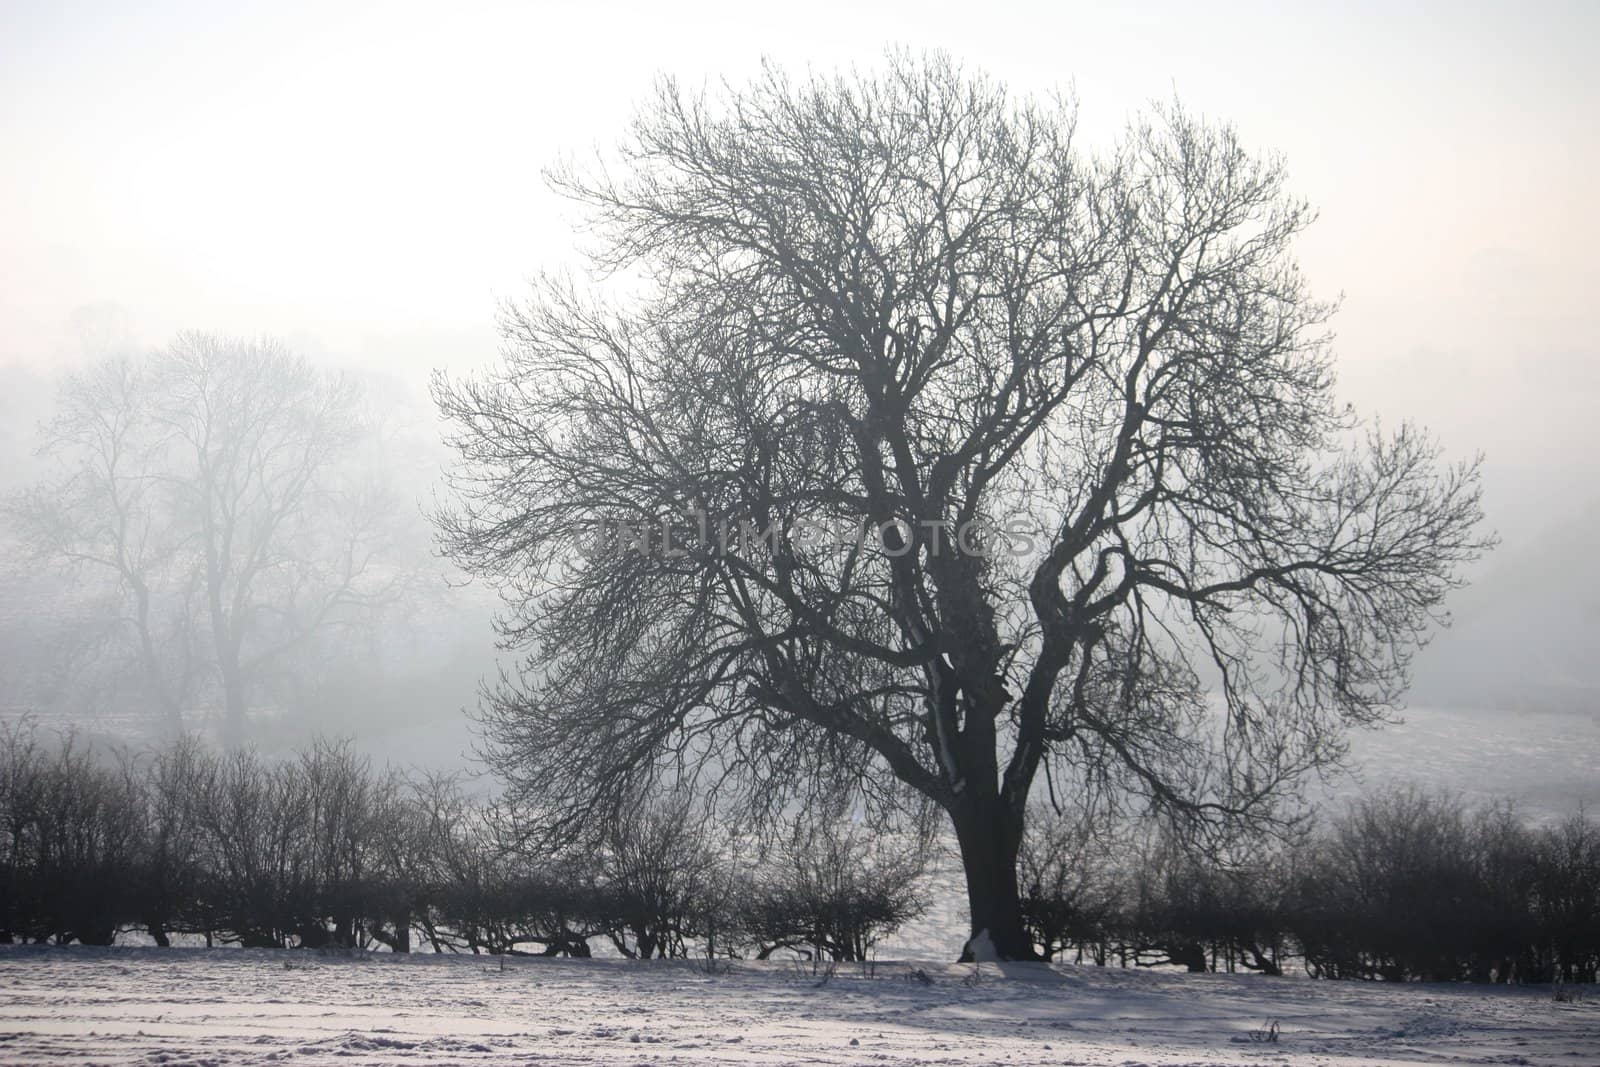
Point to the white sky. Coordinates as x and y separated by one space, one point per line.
365 178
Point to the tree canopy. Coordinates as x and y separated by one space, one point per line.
1110 520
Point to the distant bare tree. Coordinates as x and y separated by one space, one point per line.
209 483
1078 415
107 512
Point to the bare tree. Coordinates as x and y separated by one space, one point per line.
1567 898
656 865
106 512
210 484
1079 414
832 889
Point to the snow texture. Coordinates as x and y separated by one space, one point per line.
982 948
197 1006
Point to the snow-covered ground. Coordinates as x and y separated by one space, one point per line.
189 1006
197 1006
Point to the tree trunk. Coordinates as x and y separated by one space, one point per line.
226 633
990 837
233 704
313 935
1190 954
259 939
97 935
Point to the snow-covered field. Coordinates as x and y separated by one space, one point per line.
197 1006
191 1006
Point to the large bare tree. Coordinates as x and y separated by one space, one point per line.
211 484
1114 521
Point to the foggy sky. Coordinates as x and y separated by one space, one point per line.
366 181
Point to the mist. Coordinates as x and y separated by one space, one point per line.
825 532
364 184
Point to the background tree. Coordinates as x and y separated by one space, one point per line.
212 485
106 512
1082 410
